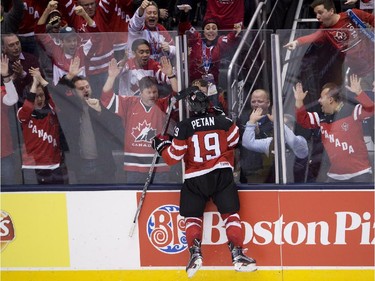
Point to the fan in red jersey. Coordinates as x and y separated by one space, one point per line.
206 142
339 30
142 117
341 129
207 49
139 66
41 155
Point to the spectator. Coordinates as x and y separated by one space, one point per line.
296 146
42 155
9 97
142 117
167 15
139 66
10 21
32 9
91 131
205 53
341 129
51 20
227 13
70 46
91 18
18 62
124 11
206 143
367 5
256 167
144 24
340 31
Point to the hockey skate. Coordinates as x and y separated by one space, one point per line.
240 261
196 259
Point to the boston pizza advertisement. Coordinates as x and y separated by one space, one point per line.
288 228
48 235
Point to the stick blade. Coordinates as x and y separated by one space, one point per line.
131 232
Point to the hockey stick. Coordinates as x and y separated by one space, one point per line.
182 94
359 23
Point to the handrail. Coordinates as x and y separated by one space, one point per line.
291 38
232 98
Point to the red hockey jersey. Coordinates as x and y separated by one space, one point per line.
342 137
202 56
131 74
227 12
61 61
33 9
101 52
141 125
205 142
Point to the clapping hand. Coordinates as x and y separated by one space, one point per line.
256 115
37 76
18 69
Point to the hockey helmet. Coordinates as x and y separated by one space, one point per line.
198 102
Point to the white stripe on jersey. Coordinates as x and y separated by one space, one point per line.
357 111
232 135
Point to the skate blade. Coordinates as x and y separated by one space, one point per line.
240 267
197 265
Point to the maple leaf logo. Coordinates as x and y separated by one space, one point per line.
143 132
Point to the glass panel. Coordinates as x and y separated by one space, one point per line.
331 65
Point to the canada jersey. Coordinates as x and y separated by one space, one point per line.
141 125
205 142
342 137
132 74
41 148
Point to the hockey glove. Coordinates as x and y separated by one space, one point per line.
218 110
160 142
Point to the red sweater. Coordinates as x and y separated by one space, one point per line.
41 138
342 137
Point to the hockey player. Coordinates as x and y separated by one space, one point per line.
206 142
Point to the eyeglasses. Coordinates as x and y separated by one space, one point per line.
92 4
